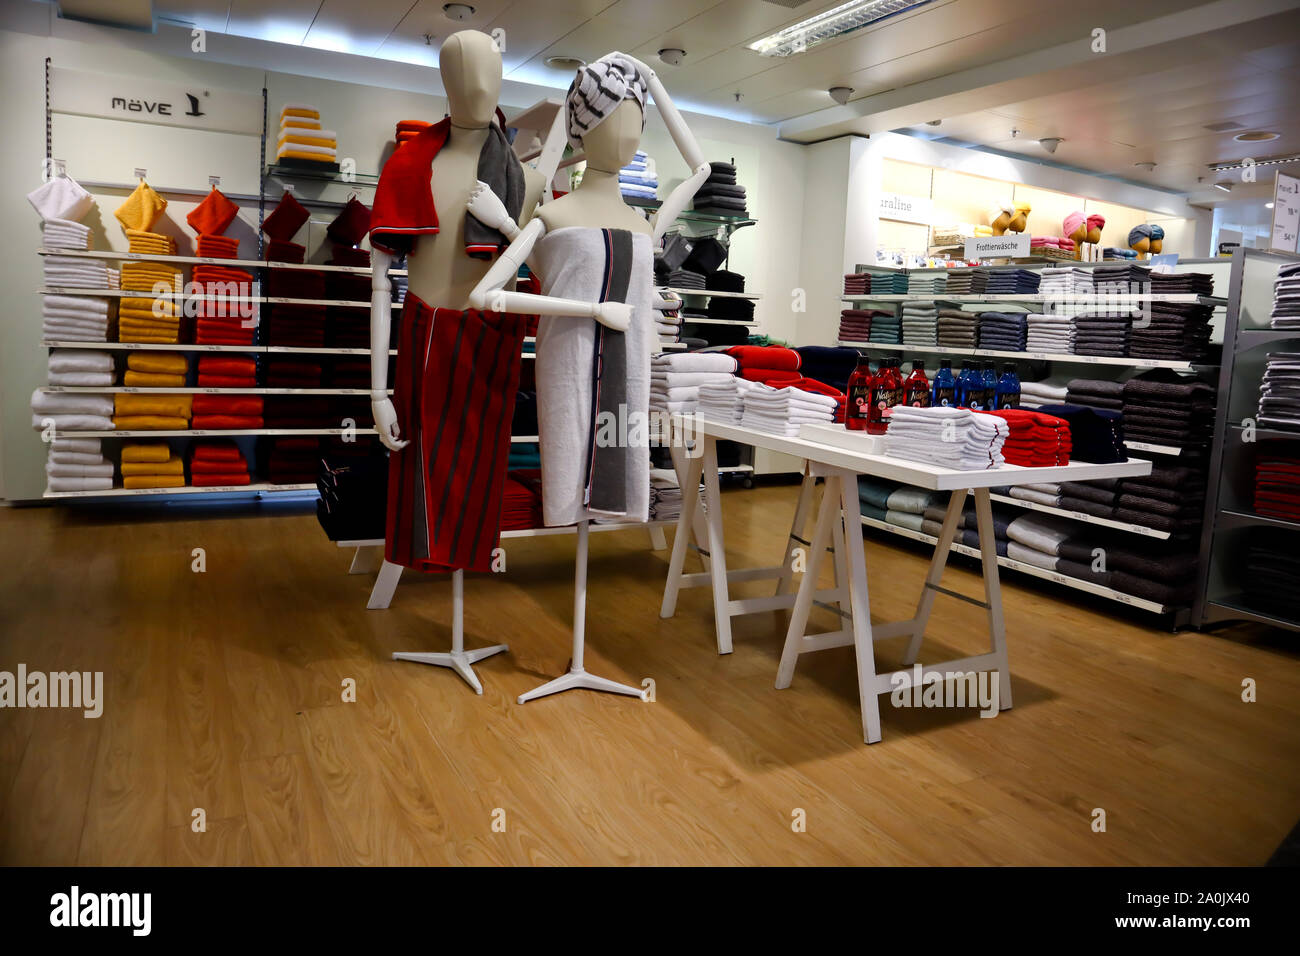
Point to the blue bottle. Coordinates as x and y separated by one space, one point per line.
1008 388
989 379
945 394
973 393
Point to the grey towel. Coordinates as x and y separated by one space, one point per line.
499 167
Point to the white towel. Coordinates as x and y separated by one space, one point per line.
324 152
54 469
80 360
678 379
694 362
88 446
80 484
60 198
71 403
77 302
81 379
76 458
314 134
73 423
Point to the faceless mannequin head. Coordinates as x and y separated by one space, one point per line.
611 145
470 64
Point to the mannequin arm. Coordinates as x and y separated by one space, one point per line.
490 293
381 318
684 139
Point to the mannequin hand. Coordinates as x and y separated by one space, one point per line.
615 315
487 208
386 423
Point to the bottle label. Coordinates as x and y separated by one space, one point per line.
945 397
918 397
1009 400
976 399
859 403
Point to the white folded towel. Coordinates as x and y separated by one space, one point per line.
694 362
81 379
80 360
73 423
60 198
322 151
80 484
87 446
55 469
288 131
77 302
71 403
678 379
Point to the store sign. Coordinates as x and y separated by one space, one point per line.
136 100
1286 214
904 208
1011 246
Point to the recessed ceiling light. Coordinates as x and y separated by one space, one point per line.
840 94
830 24
672 55
1145 166
1050 143
1225 186
1257 136
565 62
457 11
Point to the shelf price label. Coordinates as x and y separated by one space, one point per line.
1286 214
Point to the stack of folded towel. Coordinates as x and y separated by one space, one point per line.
957 329
665 497
668 326
1095 498
1098 393
898 504
74 318
1286 298
153 320
137 411
1096 435
1033 394
638 179
685 279
156 370
1279 391
1010 282
355 373
830 365
1171 331
295 324
302 141
857 283
1036 539
70 272
1002 331
926 283
65 234
80 367
720 192
71 411
1034 439
1065 281
521 506
1171 498
1101 333
1162 407
893 282
1271 571
1041 493
724 400
409 129
293 371
1049 333
782 411
855 324
221 321
227 412
78 464
1113 252
303 411
676 379
959 281
1129 279
1185 283
954 438
151 465
292 461
227 371
886 328
920 323
216 247
773 365
1277 480
731 310
217 462
1051 245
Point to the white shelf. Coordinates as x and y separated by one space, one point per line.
214 432
1153 449
210 261
751 296
1097 299
1062 357
692 320
258 487
735 469
1082 516
1055 576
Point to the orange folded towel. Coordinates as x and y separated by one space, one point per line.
153 481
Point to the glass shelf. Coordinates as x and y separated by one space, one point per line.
322 175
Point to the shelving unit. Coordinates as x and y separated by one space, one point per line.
1229 504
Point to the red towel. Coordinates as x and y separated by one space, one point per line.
201 466
765 356
227 381
777 378
221 365
220 422
217 449
227 405
204 480
214 215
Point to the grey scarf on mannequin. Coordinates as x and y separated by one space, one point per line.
499 167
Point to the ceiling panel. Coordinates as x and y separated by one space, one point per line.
207 14
284 21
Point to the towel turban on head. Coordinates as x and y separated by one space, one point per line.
1138 233
1157 232
1096 221
599 89
1072 223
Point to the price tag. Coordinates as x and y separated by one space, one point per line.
214 181
141 172
60 167
288 187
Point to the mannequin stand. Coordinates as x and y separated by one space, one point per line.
458 659
577 678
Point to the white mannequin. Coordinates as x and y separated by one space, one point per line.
597 204
439 271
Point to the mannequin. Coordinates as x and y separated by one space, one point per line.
591 240
442 270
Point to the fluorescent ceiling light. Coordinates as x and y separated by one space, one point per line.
1226 187
834 22
1242 164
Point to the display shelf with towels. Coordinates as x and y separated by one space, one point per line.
1062 357
210 260
254 488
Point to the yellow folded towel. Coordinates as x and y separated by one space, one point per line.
168 466
139 338
154 284
298 122
297 154
153 481
141 209
143 319
163 363
145 308
150 423
136 403
152 380
300 110
151 451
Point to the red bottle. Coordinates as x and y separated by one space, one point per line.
916 390
886 392
859 396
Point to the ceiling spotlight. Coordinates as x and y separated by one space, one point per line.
1268 205
1050 143
561 62
1225 186
672 55
933 122
840 94
457 11
835 22
1257 136
1146 166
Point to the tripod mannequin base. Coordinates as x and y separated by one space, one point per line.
579 679
459 661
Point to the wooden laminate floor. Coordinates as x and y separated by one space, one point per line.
224 693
